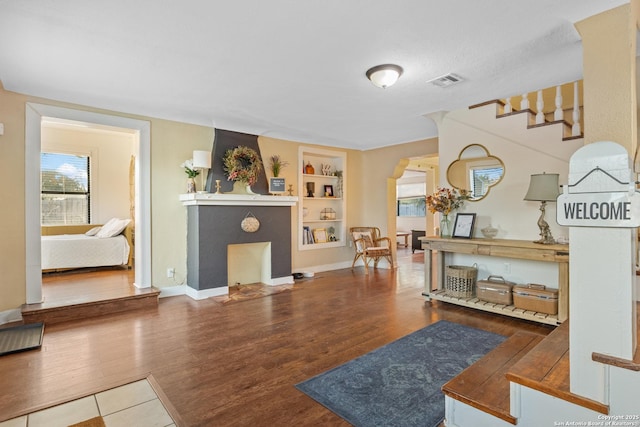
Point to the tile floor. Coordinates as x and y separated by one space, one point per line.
135 404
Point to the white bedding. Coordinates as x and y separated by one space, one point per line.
79 250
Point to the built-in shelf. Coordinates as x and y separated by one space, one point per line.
328 193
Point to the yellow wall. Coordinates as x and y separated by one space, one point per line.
381 167
609 64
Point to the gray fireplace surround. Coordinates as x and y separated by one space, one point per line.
213 223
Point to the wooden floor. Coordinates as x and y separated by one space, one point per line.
236 364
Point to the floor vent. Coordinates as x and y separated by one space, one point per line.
446 80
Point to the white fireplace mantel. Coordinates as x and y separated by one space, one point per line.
212 199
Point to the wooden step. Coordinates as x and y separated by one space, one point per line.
632 365
546 369
483 385
144 298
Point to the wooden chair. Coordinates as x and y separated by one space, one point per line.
370 246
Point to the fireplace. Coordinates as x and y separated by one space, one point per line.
213 225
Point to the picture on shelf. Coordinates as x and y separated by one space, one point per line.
320 235
463 227
276 185
328 191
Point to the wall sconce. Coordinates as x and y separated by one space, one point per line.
202 161
384 75
543 188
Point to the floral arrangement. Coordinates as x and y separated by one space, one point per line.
242 164
276 164
446 200
188 168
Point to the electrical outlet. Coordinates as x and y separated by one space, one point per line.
171 272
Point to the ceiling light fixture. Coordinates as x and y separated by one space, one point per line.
384 75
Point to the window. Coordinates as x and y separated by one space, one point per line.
65 189
412 206
481 178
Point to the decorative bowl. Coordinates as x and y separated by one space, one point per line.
489 232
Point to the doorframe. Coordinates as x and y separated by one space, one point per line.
34 114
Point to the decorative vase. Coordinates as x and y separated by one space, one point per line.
191 185
240 187
309 169
445 226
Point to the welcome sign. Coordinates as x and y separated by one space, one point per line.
617 209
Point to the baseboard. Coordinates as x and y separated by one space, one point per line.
206 293
9 316
323 267
277 281
172 291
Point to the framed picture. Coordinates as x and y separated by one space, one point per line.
328 191
463 227
320 235
276 185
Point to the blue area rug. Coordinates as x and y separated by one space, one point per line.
399 384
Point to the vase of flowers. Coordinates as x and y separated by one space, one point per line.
444 201
191 174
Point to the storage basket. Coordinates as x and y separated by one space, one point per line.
460 280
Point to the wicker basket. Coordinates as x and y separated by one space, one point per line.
460 280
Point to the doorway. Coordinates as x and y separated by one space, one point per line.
35 113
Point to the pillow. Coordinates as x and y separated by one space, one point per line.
93 231
363 240
113 227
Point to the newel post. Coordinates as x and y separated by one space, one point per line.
602 209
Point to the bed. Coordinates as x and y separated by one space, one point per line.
80 246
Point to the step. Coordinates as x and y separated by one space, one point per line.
483 385
144 298
632 365
546 369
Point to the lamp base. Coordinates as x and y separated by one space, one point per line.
545 232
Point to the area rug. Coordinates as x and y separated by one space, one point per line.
251 291
21 338
399 384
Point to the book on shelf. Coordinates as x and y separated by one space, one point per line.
307 236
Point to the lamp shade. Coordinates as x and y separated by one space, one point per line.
543 187
384 75
202 159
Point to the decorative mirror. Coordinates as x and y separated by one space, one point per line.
475 171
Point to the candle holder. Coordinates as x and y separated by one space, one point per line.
218 187
290 190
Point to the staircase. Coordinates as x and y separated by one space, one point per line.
526 380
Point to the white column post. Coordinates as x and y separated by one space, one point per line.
575 129
602 267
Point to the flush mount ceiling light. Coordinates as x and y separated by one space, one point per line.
384 75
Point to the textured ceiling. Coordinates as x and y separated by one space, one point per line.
290 69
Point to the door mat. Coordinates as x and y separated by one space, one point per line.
93 422
21 338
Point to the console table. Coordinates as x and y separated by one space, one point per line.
502 248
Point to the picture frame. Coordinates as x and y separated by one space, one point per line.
328 191
276 185
320 235
463 226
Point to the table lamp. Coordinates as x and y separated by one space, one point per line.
543 188
202 161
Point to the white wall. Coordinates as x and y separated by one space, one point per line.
110 153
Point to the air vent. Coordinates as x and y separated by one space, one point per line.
446 80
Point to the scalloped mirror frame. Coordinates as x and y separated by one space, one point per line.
473 155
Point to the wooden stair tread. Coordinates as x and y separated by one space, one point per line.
483 385
633 365
546 369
